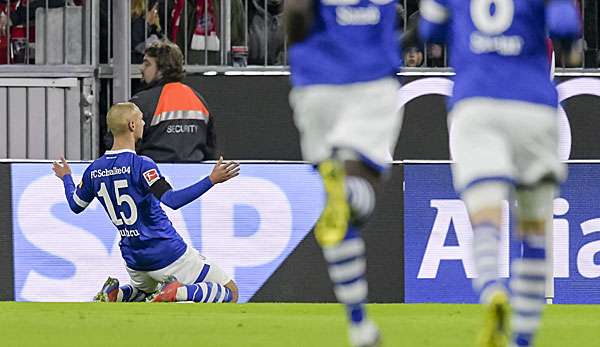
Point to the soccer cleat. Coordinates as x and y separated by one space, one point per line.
333 223
109 291
365 334
167 290
495 329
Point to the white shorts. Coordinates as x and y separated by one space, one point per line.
504 140
191 267
363 117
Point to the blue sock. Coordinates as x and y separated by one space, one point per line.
528 290
485 256
129 293
347 267
205 292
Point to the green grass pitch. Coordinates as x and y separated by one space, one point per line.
266 325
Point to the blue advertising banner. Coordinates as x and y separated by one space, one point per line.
438 235
248 226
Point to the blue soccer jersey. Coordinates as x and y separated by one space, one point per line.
121 181
497 48
350 41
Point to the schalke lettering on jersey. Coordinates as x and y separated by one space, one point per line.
110 172
351 41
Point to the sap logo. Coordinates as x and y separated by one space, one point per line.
83 249
266 244
453 212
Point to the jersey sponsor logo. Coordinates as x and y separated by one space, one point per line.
151 176
110 172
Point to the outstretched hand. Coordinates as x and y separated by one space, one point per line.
61 168
224 171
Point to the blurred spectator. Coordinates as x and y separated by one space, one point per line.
18 14
16 19
145 28
410 39
435 55
273 37
413 57
12 25
178 126
196 25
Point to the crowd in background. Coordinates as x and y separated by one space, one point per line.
201 43
18 27
257 35
417 54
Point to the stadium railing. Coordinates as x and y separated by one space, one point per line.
48 61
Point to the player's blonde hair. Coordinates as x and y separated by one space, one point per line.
119 116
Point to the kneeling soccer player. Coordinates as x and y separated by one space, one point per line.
130 188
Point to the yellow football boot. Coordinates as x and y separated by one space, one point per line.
332 226
495 329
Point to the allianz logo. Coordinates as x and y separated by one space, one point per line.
452 212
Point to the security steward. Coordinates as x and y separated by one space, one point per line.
179 127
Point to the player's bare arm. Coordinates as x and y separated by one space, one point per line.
299 15
61 168
223 171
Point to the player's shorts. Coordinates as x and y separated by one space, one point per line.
363 117
504 140
191 267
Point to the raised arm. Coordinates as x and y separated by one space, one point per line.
433 24
176 199
299 16
78 198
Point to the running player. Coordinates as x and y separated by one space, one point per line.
130 188
504 140
343 59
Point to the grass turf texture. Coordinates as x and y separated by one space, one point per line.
265 325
